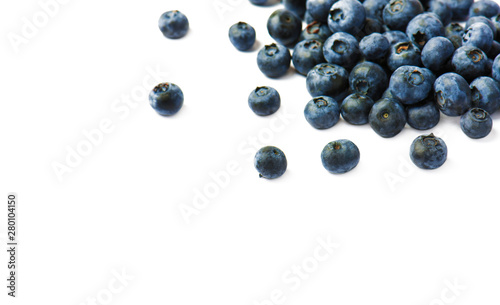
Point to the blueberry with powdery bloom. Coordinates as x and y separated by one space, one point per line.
347 16
485 8
166 99
387 117
355 109
319 9
395 37
398 13
270 162
327 79
341 156
460 8
424 115
437 53
264 100
452 94
482 19
242 36
403 54
476 123
274 60
485 93
173 24
424 27
284 27
306 55
428 152
374 47
442 10
317 31
478 35
411 84
470 62
342 49
298 7
368 78
322 112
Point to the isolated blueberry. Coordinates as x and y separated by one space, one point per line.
428 152
173 24
322 112
478 35
442 10
166 98
436 53
355 109
270 162
284 27
327 79
306 55
454 32
346 16
424 27
340 156
387 117
476 123
424 115
452 94
395 37
319 9
317 31
485 8
397 13
264 100
460 8
374 47
274 60
485 94
403 54
242 36
368 78
341 49
470 62
298 7
259 2
411 84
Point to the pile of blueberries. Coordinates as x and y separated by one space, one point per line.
386 63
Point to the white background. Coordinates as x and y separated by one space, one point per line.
119 209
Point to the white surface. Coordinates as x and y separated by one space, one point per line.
120 207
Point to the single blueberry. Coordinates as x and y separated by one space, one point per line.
242 36
387 117
470 62
284 27
428 152
341 49
374 47
322 112
485 94
355 109
452 94
476 123
411 84
347 16
340 156
397 13
264 100
403 54
424 27
436 53
424 115
478 35
327 79
368 78
173 24
270 162
482 19
274 60
306 55
166 98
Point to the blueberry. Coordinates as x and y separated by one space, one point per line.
428 152
395 37
166 98
476 123
437 53
452 94
347 16
403 54
460 8
424 27
470 62
374 47
442 10
274 60
319 9
173 24
496 22
387 117
264 100
478 35
298 7
494 51
495 69
317 31
375 8
485 8
322 112
454 32
368 78
411 84
482 19
355 109
327 79
242 36
485 94
284 27
306 55
340 156
341 49
423 116
397 13
270 162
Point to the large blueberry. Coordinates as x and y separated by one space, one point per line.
298 7
428 152
374 47
322 112
478 35
442 10
487 8
166 98
274 60
319 9
270 162
460 8
411 84
387 117
317 31
340 156
452 94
